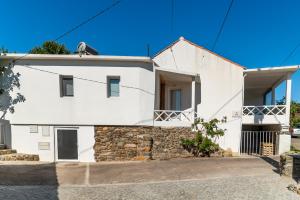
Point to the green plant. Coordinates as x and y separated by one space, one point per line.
50 47
294 111
206 134
9 83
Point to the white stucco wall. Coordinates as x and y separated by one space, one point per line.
221 85
90 104
25 142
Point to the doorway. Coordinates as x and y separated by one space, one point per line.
176 100
66 144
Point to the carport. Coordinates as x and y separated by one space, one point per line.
266 121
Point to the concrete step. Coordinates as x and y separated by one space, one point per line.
19 157
7 151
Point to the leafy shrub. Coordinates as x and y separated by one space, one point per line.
204 143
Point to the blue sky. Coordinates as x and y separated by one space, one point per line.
257 33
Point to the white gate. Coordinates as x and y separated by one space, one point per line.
263 143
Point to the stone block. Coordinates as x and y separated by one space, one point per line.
130 146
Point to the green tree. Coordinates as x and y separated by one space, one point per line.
294 111
9 81
50 47
204 142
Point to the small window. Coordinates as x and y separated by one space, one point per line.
33 129
113 86
66 86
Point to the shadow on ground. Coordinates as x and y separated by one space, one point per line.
28 180
273 162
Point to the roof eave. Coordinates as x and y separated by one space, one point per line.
10 56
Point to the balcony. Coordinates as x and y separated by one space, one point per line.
176 97
268 114
262 95
174 118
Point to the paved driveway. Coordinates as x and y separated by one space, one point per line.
296 142
226 178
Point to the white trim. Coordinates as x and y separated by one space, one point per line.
74 57
176 71
286 68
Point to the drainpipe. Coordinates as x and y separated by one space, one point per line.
241 122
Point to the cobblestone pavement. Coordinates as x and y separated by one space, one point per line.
218 179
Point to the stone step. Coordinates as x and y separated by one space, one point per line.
7 151
19 157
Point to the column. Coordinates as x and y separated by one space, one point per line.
193 94
288 96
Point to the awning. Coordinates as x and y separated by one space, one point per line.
263 79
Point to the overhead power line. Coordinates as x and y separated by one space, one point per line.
222 25
290 54
102 11
86 79
70 31
88 20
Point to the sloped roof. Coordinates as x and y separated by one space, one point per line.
198 46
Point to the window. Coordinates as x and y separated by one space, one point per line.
175 99
66 86
113 86
33 129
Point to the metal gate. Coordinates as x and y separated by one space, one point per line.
263 143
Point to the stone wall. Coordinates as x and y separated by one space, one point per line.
139 143
290 165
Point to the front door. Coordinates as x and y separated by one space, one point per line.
67 144
175 99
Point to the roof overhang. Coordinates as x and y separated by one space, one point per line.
262 80
14 56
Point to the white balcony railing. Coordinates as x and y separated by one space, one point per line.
273 114
174 117
264 110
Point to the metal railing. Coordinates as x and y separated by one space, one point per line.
258 143
174 115
264 110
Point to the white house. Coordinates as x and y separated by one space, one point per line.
68 95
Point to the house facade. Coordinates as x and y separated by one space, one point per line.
67 96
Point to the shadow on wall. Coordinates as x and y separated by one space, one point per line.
38 181
226 103
258 119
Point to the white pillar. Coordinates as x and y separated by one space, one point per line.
157 91
288 96
193 94
284 143
273 96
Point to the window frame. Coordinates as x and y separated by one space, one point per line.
108 88
61 85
